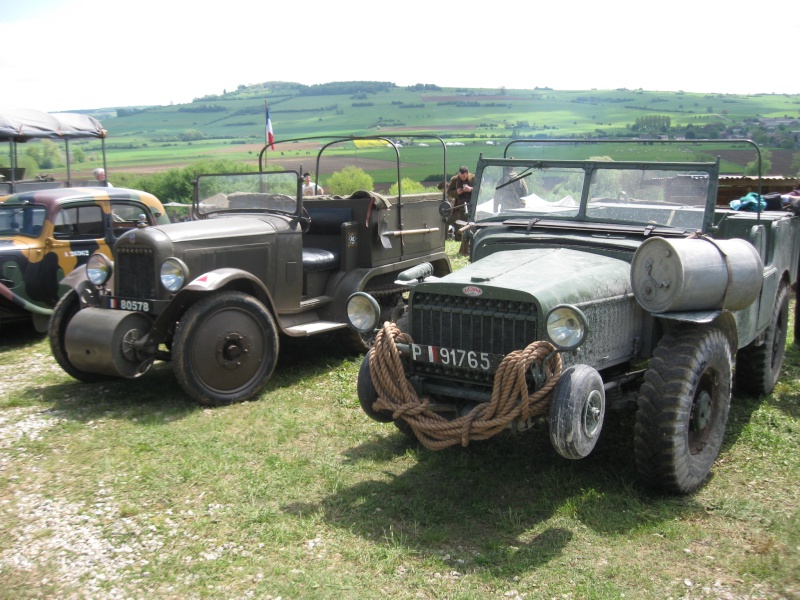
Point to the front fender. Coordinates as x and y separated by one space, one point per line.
208 283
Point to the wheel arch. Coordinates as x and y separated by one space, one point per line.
219 280
724 321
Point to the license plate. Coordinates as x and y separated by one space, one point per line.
128 304
456 357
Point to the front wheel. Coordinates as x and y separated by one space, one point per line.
683 408
225 349
65 309
577 411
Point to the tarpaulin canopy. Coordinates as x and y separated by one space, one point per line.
20 125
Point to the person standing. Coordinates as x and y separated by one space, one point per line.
100 175
309 187
460 191
509 191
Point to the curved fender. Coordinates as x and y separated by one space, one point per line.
722 319
206 283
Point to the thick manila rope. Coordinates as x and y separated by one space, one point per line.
510 399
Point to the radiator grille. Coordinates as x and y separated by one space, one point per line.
135 272
494 326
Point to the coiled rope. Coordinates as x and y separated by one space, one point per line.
510 399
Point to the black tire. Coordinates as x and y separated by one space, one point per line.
683 408
759 367
65 309
577 411
225 349
367 394
406 429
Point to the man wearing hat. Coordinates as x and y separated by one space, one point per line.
460 191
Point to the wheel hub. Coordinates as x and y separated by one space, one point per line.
592 409
701 414
231 351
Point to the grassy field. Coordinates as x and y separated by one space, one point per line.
231 125
127 489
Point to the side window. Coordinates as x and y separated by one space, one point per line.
79 222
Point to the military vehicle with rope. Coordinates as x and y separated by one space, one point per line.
596 285
257 262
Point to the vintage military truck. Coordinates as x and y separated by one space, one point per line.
596 285
258 261
45 234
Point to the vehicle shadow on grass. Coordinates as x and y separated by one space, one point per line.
154 396
506 505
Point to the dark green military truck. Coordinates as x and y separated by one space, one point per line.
596 285
257 262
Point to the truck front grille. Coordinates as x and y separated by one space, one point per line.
493 326
135 272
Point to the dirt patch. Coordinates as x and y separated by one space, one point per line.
781 160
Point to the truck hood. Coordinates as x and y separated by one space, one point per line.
206 233
550 276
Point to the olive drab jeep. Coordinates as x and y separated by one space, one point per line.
258 261
600 285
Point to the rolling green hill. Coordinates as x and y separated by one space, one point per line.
232 125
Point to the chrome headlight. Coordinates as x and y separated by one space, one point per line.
363 312
98 269
174 274
566 327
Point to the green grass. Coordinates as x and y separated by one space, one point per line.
300 495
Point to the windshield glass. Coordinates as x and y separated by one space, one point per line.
21 220
657 197
247 192
529 191
616 193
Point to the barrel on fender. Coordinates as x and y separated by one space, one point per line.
91 348
672 275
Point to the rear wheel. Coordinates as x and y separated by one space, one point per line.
759 367
225 349
683 409
65 309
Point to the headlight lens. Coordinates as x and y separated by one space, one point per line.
363 312
566 327
98 269
173 274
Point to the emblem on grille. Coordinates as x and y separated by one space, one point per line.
131 238
472 291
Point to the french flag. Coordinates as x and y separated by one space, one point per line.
270 135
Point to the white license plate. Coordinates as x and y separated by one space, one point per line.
456 357
126 304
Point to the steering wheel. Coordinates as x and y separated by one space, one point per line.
305 221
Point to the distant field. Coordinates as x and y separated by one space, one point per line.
232 125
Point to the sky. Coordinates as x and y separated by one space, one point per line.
62 55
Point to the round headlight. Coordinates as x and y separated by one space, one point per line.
566 327
98 269
363 312
173 274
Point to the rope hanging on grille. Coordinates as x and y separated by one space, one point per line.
510 399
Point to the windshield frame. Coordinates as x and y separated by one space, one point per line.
289 188
487 174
